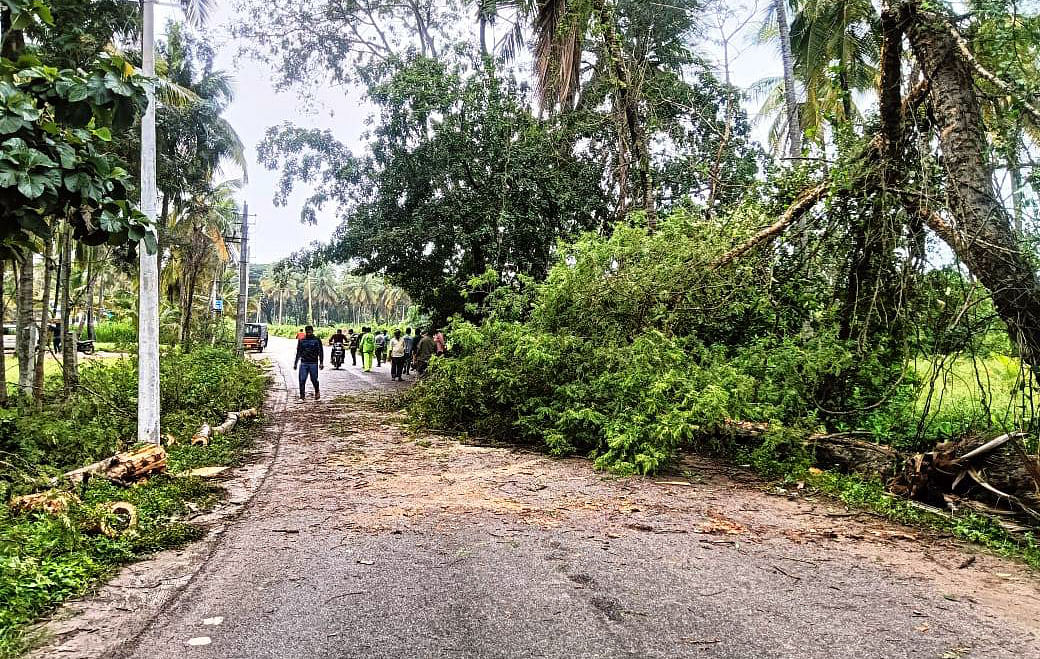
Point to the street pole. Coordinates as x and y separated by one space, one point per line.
148 316
243 281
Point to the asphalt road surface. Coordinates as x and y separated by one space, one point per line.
367 541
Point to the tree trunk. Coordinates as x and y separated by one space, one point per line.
186 312
794 123
310 302
44 327
91 276
68 343
1017 191
981 235
628 105
25 345
483 34
3 357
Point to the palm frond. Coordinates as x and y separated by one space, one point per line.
173 95
197 11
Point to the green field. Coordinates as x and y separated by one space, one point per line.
960 392
51 366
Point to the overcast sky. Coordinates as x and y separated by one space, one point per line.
277 231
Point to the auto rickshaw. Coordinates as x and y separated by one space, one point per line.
255 337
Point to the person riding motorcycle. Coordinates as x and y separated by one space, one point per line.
338 341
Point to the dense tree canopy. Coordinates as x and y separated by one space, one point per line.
57 126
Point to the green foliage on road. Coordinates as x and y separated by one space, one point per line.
45 559
631 349
635 347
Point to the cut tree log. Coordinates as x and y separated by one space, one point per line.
120 517
850 455
205 433
124 468
52 502
201 438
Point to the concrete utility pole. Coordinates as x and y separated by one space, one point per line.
243 281
148 316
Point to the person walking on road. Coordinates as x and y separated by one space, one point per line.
440 343
424 352
397 357
310 358
353 341
409 347
368 348
380 340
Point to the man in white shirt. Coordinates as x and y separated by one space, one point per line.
397 350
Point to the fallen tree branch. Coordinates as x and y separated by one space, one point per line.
801 206
205 433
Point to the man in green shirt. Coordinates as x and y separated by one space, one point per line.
368 348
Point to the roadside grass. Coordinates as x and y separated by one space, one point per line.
46 559
52 365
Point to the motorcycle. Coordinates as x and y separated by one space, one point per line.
339 353
85 346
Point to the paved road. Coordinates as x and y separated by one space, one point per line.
367 542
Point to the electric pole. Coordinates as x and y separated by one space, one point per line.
148 312
243 281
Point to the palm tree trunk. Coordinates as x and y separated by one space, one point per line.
628 104
483 34
794 124
92 321
186 312
25 344
310 301
44 327
91 277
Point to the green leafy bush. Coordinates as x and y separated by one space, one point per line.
631 349
636 346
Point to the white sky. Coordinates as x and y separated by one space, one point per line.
277 231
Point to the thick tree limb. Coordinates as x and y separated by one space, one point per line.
801 206
989 76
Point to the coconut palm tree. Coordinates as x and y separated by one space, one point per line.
835 50
196 234
323 290
193 138
776 26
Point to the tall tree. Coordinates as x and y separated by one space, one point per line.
461 178
794 123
